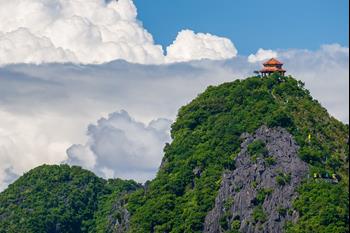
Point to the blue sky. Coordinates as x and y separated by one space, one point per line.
251 24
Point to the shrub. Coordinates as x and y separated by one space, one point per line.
257 149
280 118
270 161
261 195
259 214
235 225
283 179
282 211
228 203
224 220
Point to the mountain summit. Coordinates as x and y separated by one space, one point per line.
253 155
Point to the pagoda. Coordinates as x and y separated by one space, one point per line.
272 66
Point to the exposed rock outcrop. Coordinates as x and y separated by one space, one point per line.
257 195
119 218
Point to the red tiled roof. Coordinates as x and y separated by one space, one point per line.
272 69
273 61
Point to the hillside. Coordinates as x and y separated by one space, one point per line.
253 155
207 139
59 199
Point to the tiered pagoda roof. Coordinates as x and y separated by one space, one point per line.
271 66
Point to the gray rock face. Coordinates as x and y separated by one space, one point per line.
257 195
119 219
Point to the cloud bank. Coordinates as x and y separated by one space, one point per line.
119 146
45 109
92 32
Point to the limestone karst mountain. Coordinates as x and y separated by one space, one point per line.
253 155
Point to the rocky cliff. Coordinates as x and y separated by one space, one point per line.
257 194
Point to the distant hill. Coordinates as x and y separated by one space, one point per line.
59 198
253 155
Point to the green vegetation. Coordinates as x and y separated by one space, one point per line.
323 208
206 136
283 178
226 218
228 203
261 195
259 215
115 193
257 149
254 184
225 221
58 199
235 225
282 211
270 161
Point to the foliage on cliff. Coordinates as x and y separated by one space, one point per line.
206 139
323 208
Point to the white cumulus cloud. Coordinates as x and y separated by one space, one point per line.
21 46
119 146
37 31
191 46
91 32
262 55
25 142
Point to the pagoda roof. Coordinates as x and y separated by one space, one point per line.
272 69
273 61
